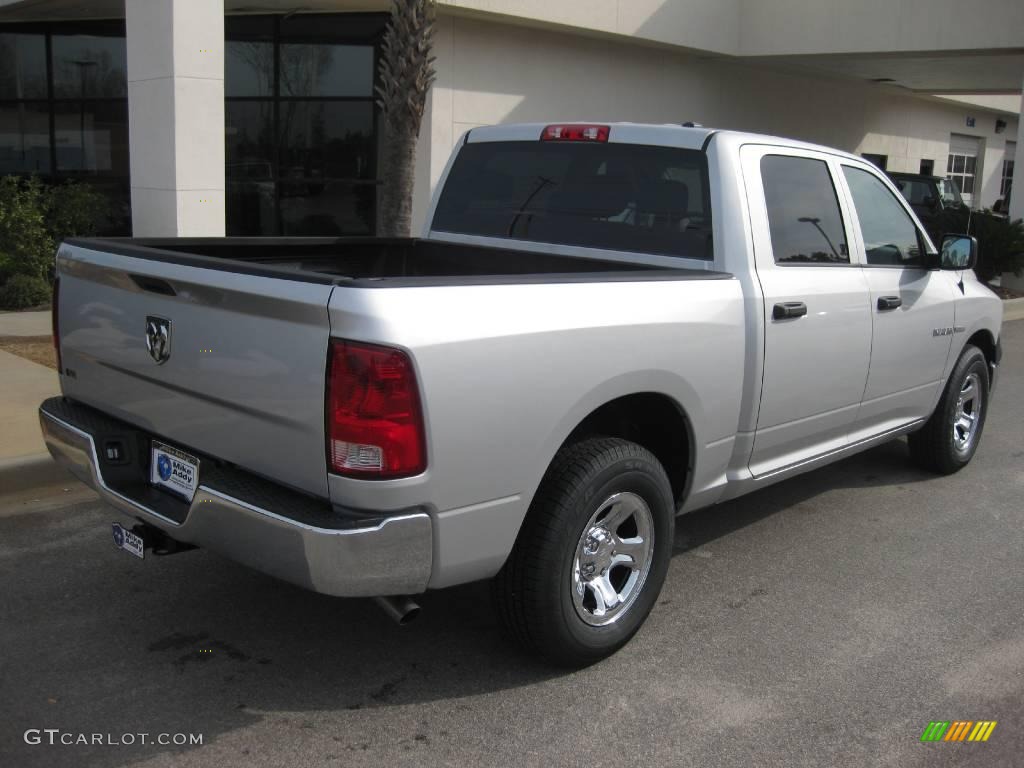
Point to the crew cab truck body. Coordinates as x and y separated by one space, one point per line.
602 327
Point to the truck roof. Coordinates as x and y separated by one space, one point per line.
657 134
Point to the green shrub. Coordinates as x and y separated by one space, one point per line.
35 217
73 209
26 247
23 292
1000 240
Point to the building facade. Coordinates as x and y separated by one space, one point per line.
200 117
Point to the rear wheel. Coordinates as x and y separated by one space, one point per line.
950 437
592 555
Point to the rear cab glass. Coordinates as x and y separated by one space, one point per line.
620 197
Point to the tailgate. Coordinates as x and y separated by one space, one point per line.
243 378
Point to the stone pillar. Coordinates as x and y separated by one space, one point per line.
176 116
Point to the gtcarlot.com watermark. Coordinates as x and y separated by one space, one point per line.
56 737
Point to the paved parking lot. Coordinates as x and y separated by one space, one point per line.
822 622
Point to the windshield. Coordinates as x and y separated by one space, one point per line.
622 197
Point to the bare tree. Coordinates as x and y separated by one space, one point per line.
406 74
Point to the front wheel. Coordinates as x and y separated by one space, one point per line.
592 555
948 440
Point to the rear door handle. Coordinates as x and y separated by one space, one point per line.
889 302
789 309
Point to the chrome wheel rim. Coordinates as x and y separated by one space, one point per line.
613 558
967 415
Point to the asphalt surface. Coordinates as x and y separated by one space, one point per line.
821 622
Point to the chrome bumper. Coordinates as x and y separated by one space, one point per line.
391 558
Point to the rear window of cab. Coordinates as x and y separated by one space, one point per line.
619 197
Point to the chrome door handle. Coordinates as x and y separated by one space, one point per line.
889 302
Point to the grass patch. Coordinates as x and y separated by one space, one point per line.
38 349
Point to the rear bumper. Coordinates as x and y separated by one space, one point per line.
332 554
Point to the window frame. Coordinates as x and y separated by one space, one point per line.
924 242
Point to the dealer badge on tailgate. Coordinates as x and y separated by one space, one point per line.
174 470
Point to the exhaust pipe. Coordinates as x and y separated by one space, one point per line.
401 609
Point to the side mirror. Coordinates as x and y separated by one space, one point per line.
958 252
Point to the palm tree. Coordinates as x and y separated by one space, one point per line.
406 74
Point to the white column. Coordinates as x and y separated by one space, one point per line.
176 116
1017 190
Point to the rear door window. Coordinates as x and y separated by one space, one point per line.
803 211
620 197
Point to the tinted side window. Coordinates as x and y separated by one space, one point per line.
890 237
803 211
622 197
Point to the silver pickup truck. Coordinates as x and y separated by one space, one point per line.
603 327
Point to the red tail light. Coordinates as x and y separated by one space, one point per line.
374 420
55 321
576 132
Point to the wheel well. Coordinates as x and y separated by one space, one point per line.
652 420
983 340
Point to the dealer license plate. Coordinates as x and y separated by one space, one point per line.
174 470
128 540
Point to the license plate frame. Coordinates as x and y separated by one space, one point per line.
173 470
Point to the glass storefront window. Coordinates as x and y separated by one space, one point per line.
300 118
319 69
24 138
248 68
249 150
68 118
22 66
251 206
300 124
92 137
313 207
89 66
327 139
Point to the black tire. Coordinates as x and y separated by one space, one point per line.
533 593
935 447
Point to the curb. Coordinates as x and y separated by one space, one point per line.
37 470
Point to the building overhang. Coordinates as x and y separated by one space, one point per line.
925 59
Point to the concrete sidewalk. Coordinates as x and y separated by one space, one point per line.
24 460
1013 309
25 323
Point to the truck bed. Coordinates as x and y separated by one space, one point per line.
248 324
384 262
